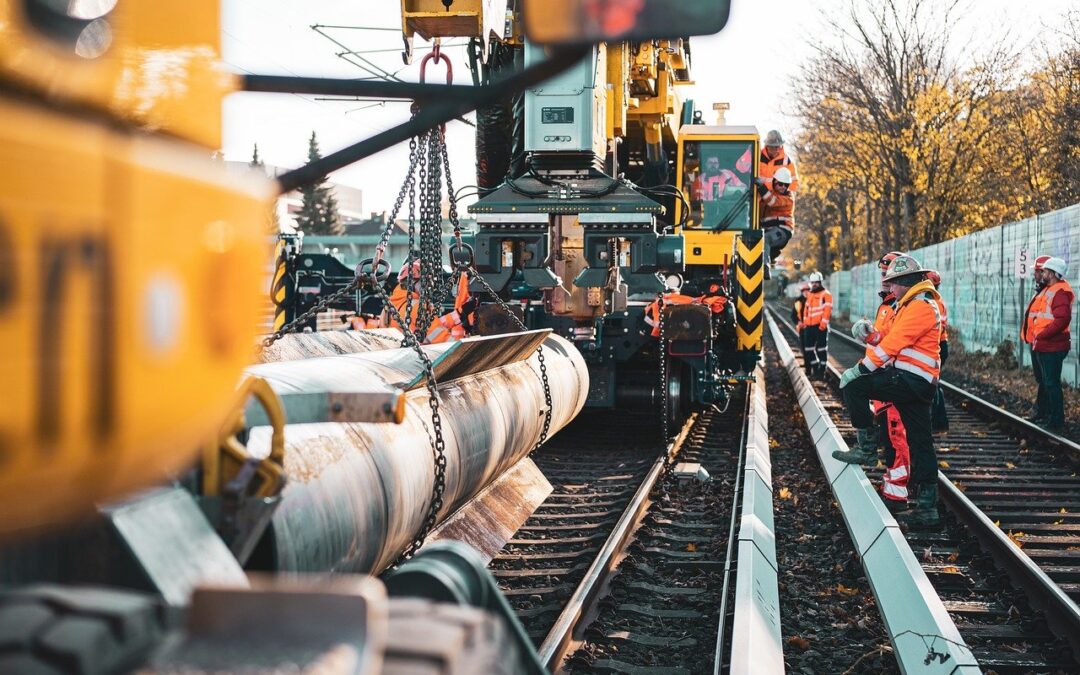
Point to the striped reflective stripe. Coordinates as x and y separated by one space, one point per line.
919 356
894 491
912 368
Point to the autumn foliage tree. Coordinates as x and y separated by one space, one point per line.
909 136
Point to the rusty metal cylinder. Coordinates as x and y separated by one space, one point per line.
358 493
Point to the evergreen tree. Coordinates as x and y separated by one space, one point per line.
318 211
256 161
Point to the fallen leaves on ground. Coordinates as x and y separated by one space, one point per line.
801 643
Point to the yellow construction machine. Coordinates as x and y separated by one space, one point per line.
165 488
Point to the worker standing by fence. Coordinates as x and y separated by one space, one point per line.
1046 329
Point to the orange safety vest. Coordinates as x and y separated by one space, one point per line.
818 308
913 342
652 310
1039 312
444 328
778 209
767 167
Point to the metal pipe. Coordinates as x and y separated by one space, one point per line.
358 493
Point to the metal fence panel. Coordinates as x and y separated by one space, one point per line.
986 298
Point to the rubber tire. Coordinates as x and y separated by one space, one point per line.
81 630
428 638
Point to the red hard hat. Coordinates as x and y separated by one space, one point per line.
883 261
1041 261
934 278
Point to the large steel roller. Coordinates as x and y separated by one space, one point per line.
359 492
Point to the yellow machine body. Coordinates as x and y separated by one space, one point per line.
710 242
131 263
155 65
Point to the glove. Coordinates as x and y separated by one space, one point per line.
849 375
861 329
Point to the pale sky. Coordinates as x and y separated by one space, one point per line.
749 65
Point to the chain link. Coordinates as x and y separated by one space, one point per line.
438 444
665 403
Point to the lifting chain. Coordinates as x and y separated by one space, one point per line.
468 267
665 403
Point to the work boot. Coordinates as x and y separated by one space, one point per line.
865 450
925 513
1052 428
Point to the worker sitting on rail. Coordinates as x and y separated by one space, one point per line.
891 426
814 325
939 417
903 368
777 212
450 326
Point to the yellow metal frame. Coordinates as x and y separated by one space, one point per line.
223 460
132 287
706 247
160 72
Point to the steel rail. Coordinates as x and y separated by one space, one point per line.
554 647
1062 613
732 542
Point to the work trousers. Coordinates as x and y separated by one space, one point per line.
912 396
776 238
815 344
1050 404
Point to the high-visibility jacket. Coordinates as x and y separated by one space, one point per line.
708 188
767 167
818 308
715 303
1046 322
358 322
444 328
652 310
913 343
778 209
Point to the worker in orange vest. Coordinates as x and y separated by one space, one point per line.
815 327
777 211
450 326
894 483
773 158
1046 329
939 416
903 368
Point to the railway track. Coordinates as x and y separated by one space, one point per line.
670 537
1022 621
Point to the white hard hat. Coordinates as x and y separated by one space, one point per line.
1057 265
816 276
782 175
902 266
773 139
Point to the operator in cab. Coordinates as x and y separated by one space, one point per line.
453 325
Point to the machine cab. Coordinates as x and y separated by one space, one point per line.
717 167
